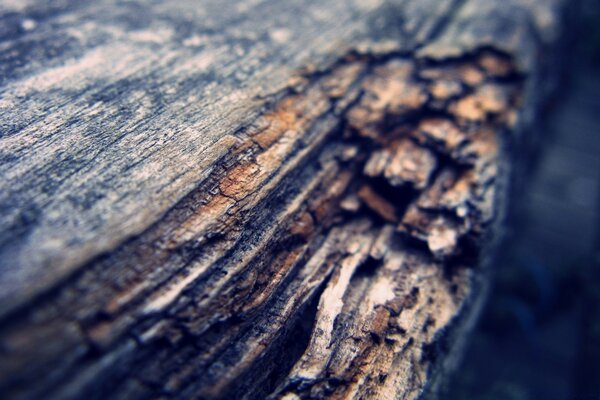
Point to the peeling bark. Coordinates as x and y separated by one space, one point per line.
330 242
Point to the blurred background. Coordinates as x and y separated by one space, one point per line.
539 332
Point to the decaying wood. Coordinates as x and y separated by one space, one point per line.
200 201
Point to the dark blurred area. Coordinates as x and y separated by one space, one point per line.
539 333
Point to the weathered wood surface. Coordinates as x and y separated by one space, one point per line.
225 199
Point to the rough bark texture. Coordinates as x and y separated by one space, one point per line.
254 199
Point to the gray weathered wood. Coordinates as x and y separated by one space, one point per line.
247 198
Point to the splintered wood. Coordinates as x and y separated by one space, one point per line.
427 171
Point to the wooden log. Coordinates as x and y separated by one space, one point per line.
241 199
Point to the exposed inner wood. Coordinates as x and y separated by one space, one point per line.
332 246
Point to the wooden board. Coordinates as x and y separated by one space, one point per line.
242 199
